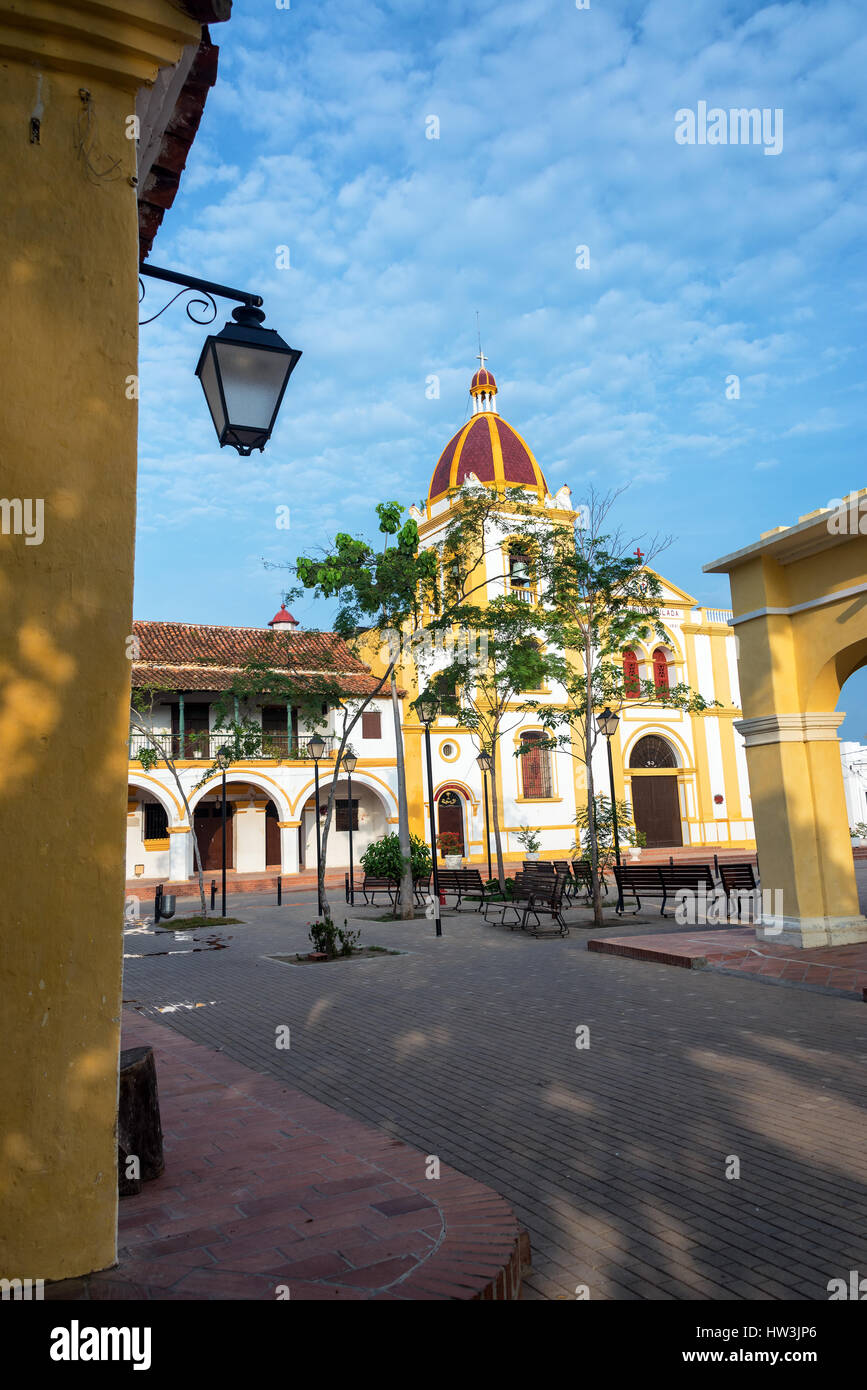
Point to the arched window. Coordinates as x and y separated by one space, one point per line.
660 669
536 777
631 682
520 572
652 751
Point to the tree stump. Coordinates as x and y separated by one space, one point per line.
139 1132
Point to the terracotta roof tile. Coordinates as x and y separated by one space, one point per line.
198 656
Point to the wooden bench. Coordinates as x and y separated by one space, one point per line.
548 903
373 885
582 873
660 880
523 888
739 879
462 882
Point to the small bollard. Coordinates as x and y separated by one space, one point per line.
279 890
213 892
158 902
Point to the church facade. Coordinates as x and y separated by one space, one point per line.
683 774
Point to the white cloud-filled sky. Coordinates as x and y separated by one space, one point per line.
556 130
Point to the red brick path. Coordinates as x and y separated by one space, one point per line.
266 1187
736 948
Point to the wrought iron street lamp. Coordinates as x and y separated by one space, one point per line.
606 723
224 759
349 762
244 369
486 762
316 748
427 707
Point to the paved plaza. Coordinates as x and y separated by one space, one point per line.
613 1155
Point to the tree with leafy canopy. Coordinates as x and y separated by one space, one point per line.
278 678
382 593
498 655
597 598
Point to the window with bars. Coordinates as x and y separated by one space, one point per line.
536 772
342 815
156 822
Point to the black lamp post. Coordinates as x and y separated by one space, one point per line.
426 707
485 762
316 747
349 762
244 369
223 761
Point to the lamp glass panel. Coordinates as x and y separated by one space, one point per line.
211 388
253 379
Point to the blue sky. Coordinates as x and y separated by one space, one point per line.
556 130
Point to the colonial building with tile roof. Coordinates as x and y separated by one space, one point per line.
684 775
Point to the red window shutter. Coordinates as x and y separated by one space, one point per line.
660 669
371 724
631 684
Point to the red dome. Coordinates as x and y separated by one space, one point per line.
483 381
487 446
283 617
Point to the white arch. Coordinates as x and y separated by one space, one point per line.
272 789
361 779
170 802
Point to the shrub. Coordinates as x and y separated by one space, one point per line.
449 842
383 858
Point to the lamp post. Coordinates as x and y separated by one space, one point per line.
223 761
244 369
426 707
316 747
349 762
485 762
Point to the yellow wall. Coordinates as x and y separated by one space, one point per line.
68 262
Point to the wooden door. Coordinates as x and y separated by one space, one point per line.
450 816
209 833
273 857
656 810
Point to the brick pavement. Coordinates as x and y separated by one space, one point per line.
736 949
613 1157
267 1193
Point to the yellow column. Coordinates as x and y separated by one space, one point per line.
68 270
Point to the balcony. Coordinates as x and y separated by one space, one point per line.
203 747
521 592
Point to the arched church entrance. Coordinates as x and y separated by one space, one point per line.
655 801
451 817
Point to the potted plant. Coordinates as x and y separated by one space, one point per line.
858 834
449 845
530 840
629 837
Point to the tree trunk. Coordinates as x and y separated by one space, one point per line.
495 817
407 911
169 762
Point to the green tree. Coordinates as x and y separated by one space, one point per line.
597 599
278 679
382 593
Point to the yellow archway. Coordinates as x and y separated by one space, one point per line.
800 617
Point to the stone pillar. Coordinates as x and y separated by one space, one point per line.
181 864
802 830
69 289
289 846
